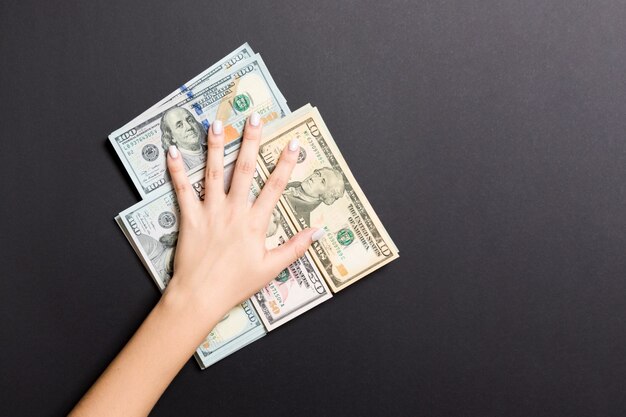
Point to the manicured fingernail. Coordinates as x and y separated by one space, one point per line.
217 127
255 119
173 151
294 145
319 233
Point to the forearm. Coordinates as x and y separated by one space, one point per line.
135 380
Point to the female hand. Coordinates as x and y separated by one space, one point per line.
220 261
221 258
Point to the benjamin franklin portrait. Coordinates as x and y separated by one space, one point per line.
324 185
161 252
180 128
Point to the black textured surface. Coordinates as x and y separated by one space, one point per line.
489 137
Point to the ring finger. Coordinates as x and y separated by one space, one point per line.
214 175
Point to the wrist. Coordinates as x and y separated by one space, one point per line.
192 307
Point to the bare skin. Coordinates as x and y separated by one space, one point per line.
209 276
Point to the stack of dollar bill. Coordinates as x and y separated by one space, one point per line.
322 193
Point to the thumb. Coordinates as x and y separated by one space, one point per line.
288 253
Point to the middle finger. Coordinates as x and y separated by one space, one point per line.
246 160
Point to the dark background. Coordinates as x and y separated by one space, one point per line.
488 135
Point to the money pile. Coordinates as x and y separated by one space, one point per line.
322 193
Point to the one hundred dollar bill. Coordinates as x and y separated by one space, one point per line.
221 67
231 97
151 226
323 193
240 54
240 327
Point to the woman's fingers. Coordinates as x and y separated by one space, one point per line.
277 182
176 167
279 258
214 175
246 160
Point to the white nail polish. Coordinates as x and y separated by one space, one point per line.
319 233
173 151
255 119
294 145
217 127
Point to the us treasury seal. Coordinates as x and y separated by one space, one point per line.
150 152
345 237
283 276
241 102
301 155
167 219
